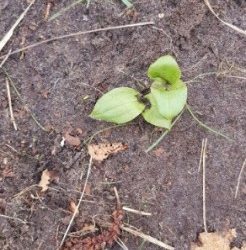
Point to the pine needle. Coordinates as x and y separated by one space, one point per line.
205 126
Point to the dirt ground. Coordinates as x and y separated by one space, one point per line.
60 82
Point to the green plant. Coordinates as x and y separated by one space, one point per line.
166 98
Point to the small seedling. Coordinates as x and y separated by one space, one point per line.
166 98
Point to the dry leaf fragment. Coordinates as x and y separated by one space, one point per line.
159 152
102 151
72 140
46 177
73 207
88 228
214 241
88 189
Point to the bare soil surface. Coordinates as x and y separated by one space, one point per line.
60 82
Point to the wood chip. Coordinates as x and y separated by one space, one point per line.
102 151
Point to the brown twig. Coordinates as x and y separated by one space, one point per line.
146 237
117 198
134 211
9 34
79 203
23 102
10 104
79 34
225 23
13 218
47 10
239 178
204 185
200 160
5 59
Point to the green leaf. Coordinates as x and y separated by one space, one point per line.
153 116
119 105
165 68
170 99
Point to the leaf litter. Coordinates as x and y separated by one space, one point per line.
73 141
106 237
102 151
46 178
73 208
216 241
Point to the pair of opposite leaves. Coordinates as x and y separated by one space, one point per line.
168 95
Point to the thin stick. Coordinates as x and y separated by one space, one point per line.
88 141
134 211
205 126
225 23
146 237
140 84
239 178
163 135
79 203
12 118
5 59
204 186
200 160
24 191
121 244
157 141
13 218
79 34
47 11
237 77
117 197
9 34
23 102
221 74
201 76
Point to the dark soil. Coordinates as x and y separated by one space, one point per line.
54 79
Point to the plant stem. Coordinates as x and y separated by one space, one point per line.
127 3
157 141
163 135
23 102
88 141
205 126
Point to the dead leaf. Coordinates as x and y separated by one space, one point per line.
79 131
102 151
72 140
214 241
159 152
88 189
46 177
45 93
88 228
7 173
73 207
